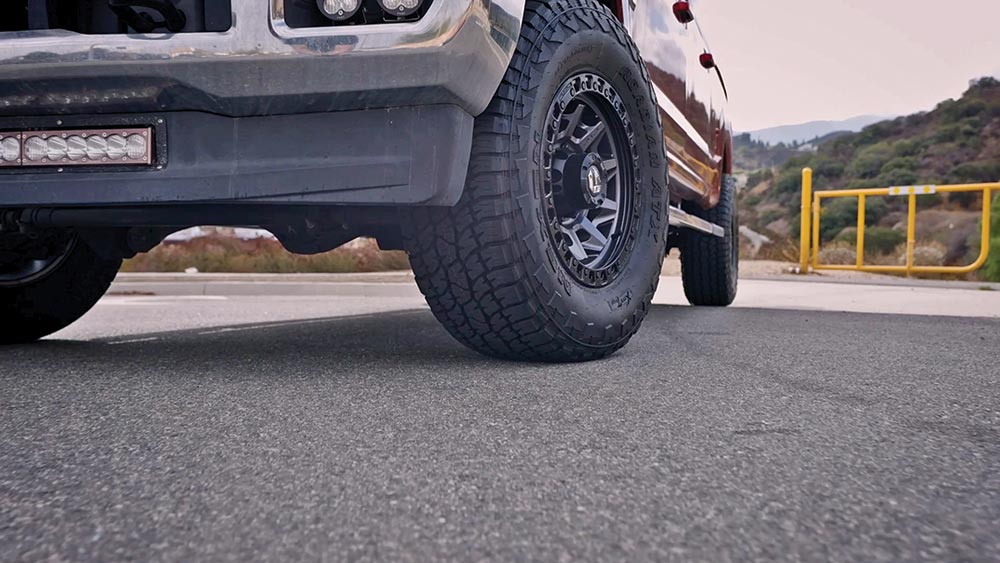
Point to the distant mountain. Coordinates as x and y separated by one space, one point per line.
803 132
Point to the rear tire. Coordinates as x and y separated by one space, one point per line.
55 297
709 264
509 271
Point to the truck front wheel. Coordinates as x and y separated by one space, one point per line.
47 281
554 251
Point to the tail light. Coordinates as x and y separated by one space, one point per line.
682 11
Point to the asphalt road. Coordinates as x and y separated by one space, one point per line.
163 429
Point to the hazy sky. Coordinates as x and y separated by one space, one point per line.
790 61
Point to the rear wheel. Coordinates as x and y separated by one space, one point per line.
710 264
554 251
47 281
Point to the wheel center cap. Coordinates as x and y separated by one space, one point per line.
592 179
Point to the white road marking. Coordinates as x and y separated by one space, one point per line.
147 300
286 324
133 341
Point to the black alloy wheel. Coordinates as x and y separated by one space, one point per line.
589 163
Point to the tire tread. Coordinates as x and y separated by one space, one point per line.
469 261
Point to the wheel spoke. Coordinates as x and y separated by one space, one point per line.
609 204
596 236
575 246
594 133
604 218
573 120
610 167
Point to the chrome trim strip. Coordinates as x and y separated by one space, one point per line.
681 218
678 116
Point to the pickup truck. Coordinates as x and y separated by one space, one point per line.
536 158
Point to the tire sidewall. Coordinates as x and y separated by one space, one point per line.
52 302
601 53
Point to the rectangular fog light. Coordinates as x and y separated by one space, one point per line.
84 147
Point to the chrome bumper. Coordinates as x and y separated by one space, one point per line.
456 54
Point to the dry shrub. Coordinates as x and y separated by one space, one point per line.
838 253
231 255
929 254
783 250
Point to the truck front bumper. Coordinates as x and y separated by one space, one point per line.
456 54
264 113
398 156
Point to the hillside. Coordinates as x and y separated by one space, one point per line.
957 142
755 155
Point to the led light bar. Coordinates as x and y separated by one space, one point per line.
85 147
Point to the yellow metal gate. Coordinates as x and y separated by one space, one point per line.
811 216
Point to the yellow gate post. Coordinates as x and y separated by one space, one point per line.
804 222
911 230
860 262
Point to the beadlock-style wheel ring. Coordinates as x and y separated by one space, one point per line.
591 172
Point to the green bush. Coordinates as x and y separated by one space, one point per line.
869 162
897 177
878 240
900 163
974 172
789 182
836 215
756 177
906 148
992 270
862 183
882 240
825 167
946 134
875 209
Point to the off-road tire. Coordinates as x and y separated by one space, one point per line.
489 266
52 302
709 264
